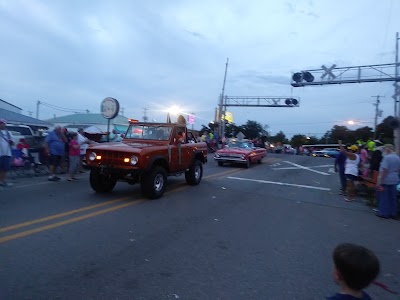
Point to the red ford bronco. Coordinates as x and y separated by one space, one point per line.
148 154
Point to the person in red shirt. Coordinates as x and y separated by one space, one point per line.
74 156
23 146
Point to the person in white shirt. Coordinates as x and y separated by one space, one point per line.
83 143
350 170
5 152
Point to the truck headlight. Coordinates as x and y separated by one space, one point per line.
134 160
243 156
92 156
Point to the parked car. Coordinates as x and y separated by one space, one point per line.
23 131
327 152
16 137
240 151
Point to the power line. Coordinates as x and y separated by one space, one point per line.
62 108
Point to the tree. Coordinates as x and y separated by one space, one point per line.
252 129
364 133
384 131
338 133
279 137
298 140
231 130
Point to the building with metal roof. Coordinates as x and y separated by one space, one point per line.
119 123
8 106
19 119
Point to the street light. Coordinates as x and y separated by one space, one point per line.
174 110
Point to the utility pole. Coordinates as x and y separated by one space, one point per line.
221 127
396 97
145 118
37 109
378 113
122 111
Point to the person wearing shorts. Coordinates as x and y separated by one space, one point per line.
5 153
55 145
350 170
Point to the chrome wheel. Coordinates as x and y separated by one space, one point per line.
158 182
197 172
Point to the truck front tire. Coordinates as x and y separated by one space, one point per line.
101 183
195 173
154 182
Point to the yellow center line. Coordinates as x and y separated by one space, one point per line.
60 215
68 221
223 173
72 220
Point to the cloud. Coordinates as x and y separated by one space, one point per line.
311 14
196 34
158 53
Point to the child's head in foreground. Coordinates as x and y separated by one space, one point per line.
355 266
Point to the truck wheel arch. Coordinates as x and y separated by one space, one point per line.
199 156
157 160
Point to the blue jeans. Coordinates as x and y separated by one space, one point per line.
387 201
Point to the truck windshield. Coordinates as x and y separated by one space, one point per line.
148 132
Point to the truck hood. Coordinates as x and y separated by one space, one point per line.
121 147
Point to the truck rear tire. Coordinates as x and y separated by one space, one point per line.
101 183
154 182
195 173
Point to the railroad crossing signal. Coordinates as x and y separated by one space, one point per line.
328 71
356 74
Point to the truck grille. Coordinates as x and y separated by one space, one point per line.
112 157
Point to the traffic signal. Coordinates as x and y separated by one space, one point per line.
307 76
298 77
291 102
304 75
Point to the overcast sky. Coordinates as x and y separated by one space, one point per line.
154 54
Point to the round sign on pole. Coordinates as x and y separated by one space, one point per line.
109 108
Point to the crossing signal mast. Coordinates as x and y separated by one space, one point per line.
358 74
248 101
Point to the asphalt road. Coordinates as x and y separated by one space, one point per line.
266 232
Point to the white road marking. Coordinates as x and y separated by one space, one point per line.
283 183
322 166
306 168
287 168
331 170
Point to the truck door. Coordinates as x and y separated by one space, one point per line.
181 152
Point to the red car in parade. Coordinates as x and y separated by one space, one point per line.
240 151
